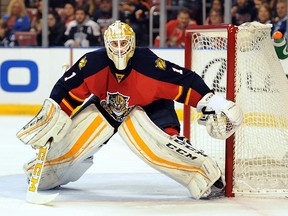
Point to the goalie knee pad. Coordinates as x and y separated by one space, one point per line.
69 159
171 155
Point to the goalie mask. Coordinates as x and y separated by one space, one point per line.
119 39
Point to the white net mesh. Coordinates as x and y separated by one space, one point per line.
261 143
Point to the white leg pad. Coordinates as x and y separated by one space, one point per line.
172 156
69 159
200 186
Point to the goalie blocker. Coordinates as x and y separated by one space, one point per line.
51 123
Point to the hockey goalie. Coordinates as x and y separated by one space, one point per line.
131 91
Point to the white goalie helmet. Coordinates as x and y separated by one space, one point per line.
119 39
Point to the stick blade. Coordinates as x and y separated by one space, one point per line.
40 199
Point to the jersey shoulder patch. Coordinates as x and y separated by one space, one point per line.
148 63
160 63
94 61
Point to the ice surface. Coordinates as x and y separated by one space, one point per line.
119 183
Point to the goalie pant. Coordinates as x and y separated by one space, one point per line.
172 155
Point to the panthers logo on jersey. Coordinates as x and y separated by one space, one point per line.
116 105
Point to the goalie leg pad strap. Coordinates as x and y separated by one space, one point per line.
173 156
68 160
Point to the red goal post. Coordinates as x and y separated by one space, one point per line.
240 63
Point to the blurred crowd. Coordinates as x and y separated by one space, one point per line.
81 23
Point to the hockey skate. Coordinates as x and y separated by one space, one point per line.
216 191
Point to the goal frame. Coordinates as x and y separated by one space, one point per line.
230 93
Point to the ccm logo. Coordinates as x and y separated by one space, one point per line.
5 79
37 170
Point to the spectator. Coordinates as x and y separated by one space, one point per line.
136 15
31 3
243 11
215 17
81 3
91 6
272 4
218 5
82 31
258 3
280 22
264 13
56 29
17 18
7 37
68 13
36 23
54 4
176 29
103 16
194 6
146 3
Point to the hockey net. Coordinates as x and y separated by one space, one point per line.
240 63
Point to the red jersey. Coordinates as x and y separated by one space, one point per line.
147 78
176 36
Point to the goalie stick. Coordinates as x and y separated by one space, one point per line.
32 195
